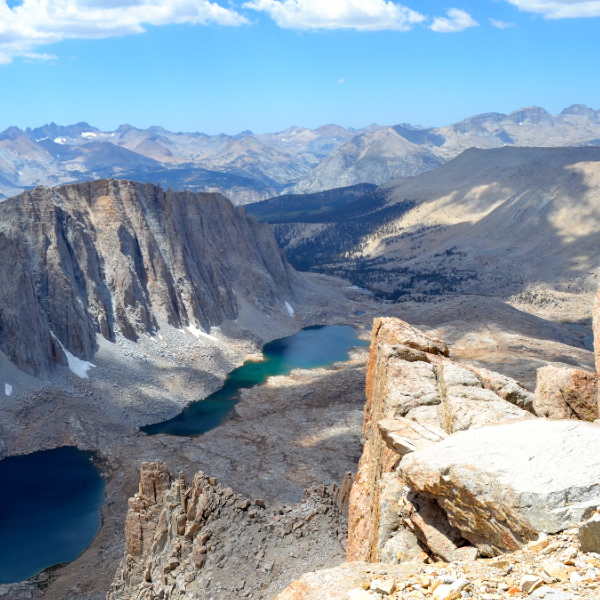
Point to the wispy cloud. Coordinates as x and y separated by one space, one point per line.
342 80
35 23
501 24
360 15
560 9
457 20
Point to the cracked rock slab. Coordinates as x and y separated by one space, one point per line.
502 485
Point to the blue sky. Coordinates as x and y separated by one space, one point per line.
226 66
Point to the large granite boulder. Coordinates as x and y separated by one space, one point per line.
502 485
416 396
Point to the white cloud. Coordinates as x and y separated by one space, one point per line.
560 9
457 20
501 24
35 23
342 80
360 15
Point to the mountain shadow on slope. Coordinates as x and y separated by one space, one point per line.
489 222
343 233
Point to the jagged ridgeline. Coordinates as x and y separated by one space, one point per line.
116 257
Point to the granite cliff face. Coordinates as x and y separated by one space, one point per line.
117 258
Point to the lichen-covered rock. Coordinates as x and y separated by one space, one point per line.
566 393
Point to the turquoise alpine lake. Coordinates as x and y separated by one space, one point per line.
49 510
310 348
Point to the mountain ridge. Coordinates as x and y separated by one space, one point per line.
461 227
250 167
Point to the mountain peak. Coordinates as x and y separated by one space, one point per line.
243 134
52 130
531 114
11 133
579 110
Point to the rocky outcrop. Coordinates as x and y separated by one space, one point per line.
434 469
452 471
501 486
596 332
118 258
203 540
416 397
566 393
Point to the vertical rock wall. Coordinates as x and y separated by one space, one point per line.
116 257
416 396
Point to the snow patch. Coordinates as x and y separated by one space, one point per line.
7 389
77 365
199 333
88 134
60 140
289 308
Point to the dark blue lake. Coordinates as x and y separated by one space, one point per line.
308 349
49 510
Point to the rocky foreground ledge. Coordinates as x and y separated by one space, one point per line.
463 491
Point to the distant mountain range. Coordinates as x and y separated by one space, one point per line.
247 167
